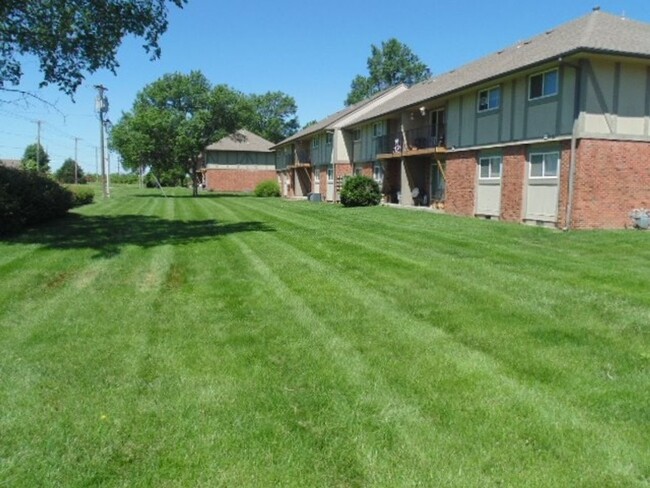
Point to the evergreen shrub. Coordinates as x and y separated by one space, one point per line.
360 191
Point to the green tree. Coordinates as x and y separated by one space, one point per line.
273 116
72 37
66 173
36 159
172 121
389 65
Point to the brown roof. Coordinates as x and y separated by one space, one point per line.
330 121
597 32
242 140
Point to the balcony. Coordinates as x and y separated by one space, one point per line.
302 157
413 142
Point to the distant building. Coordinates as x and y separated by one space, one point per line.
11 163
238 163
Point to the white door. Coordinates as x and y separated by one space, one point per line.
542 187
488 194
330 183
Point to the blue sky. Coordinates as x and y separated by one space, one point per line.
309 50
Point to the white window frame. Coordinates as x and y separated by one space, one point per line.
544 155
378 129
489 160
330 175
356 135
315 142
543 74
487 92
329 137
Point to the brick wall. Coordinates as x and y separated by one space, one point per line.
612 178
341 170
236 180
513 179
461 183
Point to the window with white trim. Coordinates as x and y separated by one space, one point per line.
314 142
356 135
377 129
544 165
329 137
490 167
330 175
542 85
489 99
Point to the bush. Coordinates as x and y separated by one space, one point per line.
360 191
82 195
125 179
268 188
28 198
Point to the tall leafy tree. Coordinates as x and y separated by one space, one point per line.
35 158
273 116
172 121
72 37
66 173
389 65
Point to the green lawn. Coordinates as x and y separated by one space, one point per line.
233 341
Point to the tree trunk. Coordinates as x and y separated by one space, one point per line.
195 179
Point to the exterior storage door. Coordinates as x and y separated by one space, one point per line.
330 183
542 189
488 194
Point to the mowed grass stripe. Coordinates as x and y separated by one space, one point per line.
401 318
227 345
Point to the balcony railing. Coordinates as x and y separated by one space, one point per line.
425 137
303 156
411 140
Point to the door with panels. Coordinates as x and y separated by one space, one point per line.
488 194
542 188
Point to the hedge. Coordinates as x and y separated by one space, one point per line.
268 188
28 198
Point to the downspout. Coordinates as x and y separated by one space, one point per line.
574 144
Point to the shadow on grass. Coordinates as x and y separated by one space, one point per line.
201 195
108 235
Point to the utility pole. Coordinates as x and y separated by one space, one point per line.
38 145
101 105
76 140
96 165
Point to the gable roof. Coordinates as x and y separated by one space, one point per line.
243 141
334 120
597 32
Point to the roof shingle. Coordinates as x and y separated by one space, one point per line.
595 32
242 140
